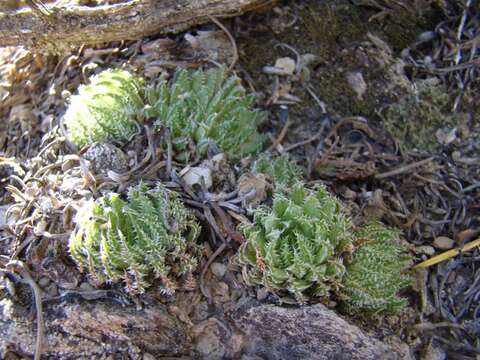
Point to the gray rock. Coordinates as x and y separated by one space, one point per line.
310 332
443 243
105 157
85 330
218 269
212 339
95 330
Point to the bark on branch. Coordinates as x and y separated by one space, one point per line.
134 19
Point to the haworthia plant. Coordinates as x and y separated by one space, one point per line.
374 277
206 110
105 109
296 246
151 235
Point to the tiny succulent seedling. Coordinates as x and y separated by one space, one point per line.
374 277
282 171
295 247
206 110
105 109
151 235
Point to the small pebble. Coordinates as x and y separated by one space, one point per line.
148 356
85 286
44 281
262 294
425 249
443 243
349 194
221 289
466 236
52 290
218 269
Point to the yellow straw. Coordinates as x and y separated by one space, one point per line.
448 254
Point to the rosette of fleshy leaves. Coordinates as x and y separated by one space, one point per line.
295 247
206 111
106 109
374 276
150 235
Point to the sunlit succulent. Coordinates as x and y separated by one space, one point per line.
296 246
206 110
151 235
282 171
374 277
105 109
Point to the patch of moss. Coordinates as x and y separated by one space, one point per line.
325 25
333 88
414 120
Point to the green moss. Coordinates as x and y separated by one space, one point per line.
414 120
149 236
106 109
374 277
325 25
401 28
295 247
334 89
206 109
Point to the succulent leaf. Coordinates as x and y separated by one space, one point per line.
374 277
105 109
150 235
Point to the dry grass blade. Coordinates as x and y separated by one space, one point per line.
448 254
232 40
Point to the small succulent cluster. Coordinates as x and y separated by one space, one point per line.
374 277
106 109
296 246
205 110
281 170
150 235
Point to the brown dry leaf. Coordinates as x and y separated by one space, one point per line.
159 46
213 45
253 189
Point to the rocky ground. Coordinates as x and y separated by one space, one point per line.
378 101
